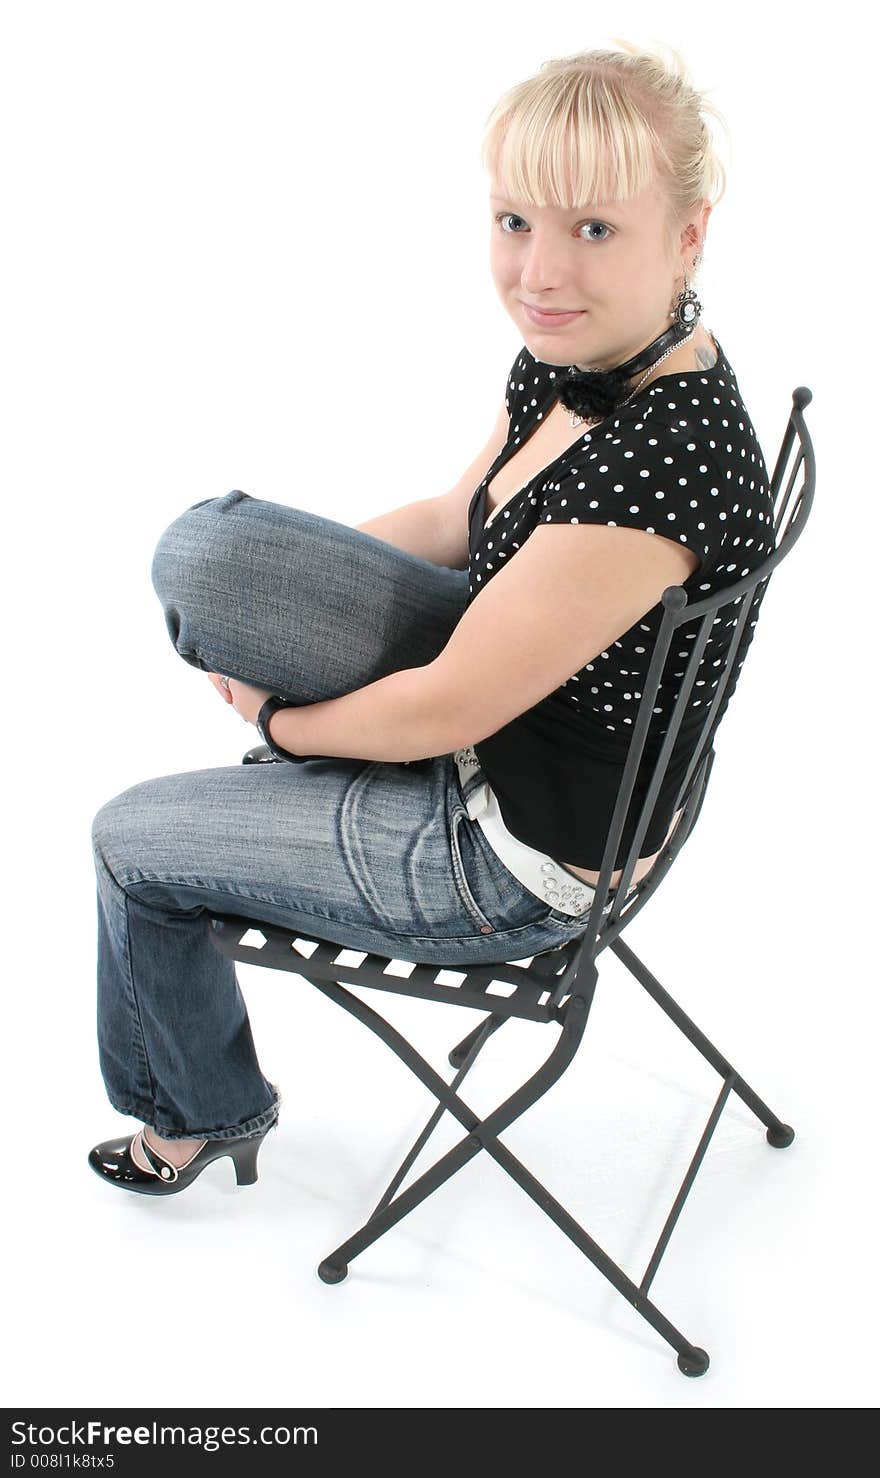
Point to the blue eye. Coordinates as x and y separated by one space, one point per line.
504 215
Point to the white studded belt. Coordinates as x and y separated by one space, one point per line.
535 870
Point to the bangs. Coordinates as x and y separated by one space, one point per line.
572 140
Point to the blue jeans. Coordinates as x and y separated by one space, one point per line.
371 855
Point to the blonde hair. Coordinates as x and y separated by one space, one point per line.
598 126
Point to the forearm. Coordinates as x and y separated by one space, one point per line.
417 528
398 717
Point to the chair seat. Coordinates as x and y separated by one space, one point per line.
534 989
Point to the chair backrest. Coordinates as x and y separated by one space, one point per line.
653 752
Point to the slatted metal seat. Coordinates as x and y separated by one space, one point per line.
558 986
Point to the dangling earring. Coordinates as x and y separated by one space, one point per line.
687 307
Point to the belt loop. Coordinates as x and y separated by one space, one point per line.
478 800
473 784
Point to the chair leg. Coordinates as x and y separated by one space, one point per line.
483 1135
463 1056
334 1267
480 1033
779 1135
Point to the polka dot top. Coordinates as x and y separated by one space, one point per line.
681 461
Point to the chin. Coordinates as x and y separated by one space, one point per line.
544 358
541 352
544 347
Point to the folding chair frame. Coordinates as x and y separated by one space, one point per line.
559 985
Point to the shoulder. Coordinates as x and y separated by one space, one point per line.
657 432
646 468
675 422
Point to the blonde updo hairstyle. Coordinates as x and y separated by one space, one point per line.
598 126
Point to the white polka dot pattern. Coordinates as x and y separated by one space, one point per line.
682 462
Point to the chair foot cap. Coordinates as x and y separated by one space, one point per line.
695 1362
332 1272
780 1138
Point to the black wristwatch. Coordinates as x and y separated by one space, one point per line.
272 705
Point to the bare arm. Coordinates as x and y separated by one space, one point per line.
436 528
418 528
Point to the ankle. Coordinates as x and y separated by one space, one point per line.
175 1150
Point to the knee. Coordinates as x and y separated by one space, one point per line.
108 832
124 827
192 547
185 539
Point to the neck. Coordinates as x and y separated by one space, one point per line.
609 362
595 392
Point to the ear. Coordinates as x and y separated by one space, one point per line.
690 238
693 235
704 220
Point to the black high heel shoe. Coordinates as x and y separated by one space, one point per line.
112 1160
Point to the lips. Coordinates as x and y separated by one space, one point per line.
551 318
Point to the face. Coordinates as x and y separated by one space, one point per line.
610 264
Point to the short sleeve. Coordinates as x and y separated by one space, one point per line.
644 472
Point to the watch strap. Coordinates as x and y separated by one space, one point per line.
272 705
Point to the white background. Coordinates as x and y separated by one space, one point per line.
246 246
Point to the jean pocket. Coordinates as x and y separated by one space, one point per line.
495 899
533 910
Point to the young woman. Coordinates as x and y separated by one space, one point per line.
454 682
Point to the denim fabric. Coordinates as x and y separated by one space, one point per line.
371 855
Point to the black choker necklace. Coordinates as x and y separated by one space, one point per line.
590 393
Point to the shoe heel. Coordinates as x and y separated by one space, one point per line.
244 1157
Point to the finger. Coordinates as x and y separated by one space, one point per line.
220 686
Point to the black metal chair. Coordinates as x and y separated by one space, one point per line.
558 986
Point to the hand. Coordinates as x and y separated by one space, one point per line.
244 697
